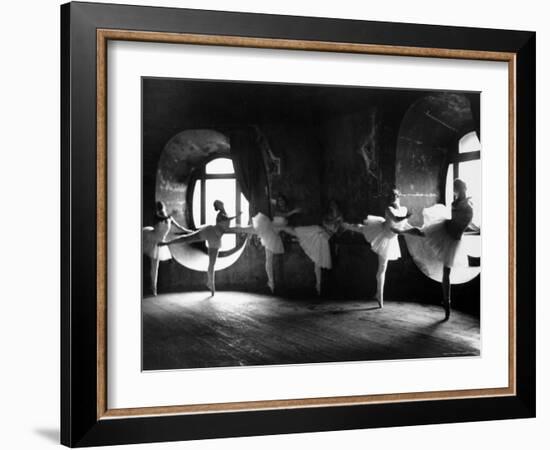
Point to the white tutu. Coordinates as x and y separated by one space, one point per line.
382 239
314 240
268 233
449 251
151 237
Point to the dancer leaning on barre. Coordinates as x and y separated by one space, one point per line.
268 230
314 240
444 236
153 236
381 233
212 234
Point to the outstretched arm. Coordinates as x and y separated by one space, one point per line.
288 230
178 226
356 228
235 216
241 230
194 236
292 212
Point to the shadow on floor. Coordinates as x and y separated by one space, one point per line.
185 331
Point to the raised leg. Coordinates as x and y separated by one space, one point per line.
446 285
195 236
356 228
212 257
381 279
269 269
288 230
241 230
414 231
154 275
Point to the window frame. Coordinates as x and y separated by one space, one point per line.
199 174
454 159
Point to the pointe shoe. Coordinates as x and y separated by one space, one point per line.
380 302
271 286
154 291
211 288
447 309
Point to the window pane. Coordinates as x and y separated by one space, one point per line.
223 190
220 165
449 195
470 172
197 204
229 241
469 143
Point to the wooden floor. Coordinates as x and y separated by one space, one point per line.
190 330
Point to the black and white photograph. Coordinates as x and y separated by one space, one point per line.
299 224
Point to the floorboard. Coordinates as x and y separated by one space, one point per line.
192 330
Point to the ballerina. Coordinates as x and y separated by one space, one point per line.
268 231
381 233
153 236
212 234
315 240
444 236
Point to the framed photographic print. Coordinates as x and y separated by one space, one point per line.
277 224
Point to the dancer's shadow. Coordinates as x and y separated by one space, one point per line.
344 311
49 434
434 326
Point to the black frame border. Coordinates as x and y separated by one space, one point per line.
79 423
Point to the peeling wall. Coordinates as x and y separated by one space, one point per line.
428 135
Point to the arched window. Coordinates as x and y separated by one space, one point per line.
216 181
466 164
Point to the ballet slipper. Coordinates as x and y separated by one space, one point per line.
380 303
447 308
210 287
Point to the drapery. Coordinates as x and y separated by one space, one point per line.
250 169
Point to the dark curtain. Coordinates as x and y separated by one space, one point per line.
250 169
